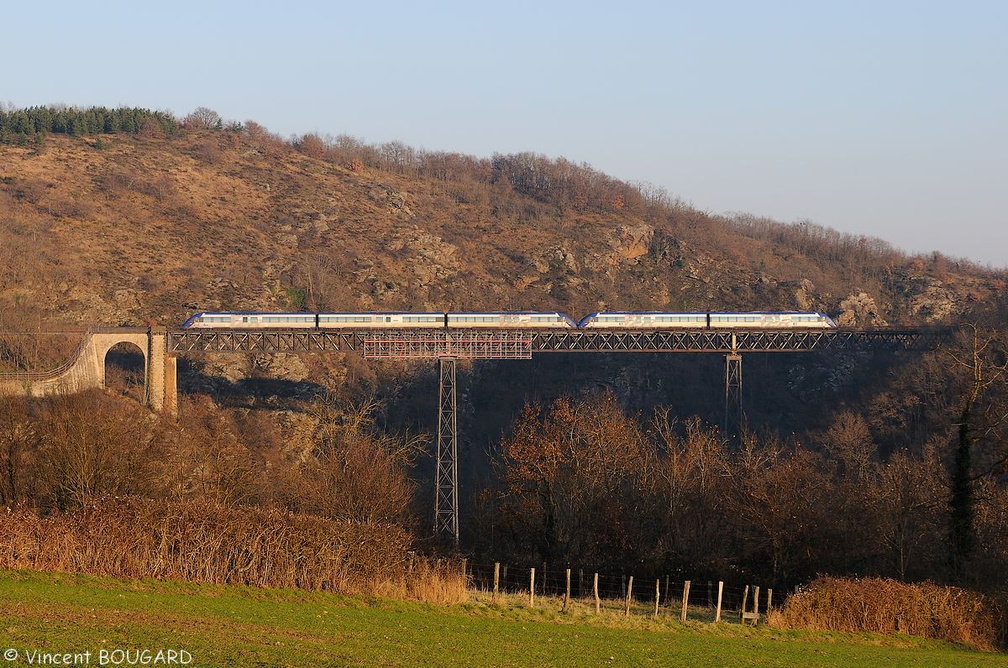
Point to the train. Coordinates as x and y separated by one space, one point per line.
613 320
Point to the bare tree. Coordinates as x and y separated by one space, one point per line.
203 118
354 472
570 471
980 434
19 440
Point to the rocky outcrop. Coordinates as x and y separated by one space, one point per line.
629 242
804 300
935 304
860 310
428 256
395 200
558 259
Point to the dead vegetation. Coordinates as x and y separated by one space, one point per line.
197 542
877 605
93 483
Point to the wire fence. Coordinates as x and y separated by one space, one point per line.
706 599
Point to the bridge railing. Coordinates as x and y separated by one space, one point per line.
52 373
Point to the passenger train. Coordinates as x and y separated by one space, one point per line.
615 320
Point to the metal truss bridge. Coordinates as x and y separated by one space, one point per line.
448 346
523 343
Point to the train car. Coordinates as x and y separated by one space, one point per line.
381 320
643 320
771 320
251 320
742 320
509 320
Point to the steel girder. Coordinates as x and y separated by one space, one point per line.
731 341
522 344
267 341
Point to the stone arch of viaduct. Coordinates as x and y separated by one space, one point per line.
86 369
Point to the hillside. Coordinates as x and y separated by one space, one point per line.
127 229
847 462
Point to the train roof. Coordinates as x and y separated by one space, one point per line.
647 313
441 313
705 313
253 312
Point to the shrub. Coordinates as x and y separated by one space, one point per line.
138 538
886 606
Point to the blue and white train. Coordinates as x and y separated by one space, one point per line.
615 320
709 320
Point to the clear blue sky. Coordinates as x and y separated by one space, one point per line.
882 118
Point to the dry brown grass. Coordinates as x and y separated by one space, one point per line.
439 581
135 538
879 605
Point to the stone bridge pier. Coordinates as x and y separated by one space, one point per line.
86 369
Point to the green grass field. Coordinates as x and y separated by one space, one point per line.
237 626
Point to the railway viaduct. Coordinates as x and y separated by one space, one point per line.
86 368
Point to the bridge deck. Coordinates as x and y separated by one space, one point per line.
523 343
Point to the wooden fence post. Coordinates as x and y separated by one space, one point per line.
629 594
720 590
745 600
657 595
755 604
685 599
532 588
769 600
496 580
567 594
598 602
504 575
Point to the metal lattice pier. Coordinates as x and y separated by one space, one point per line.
446 521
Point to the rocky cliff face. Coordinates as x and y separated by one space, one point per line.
860 311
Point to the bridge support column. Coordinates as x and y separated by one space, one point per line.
170 404
733 396
162 377
156 368
446 522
